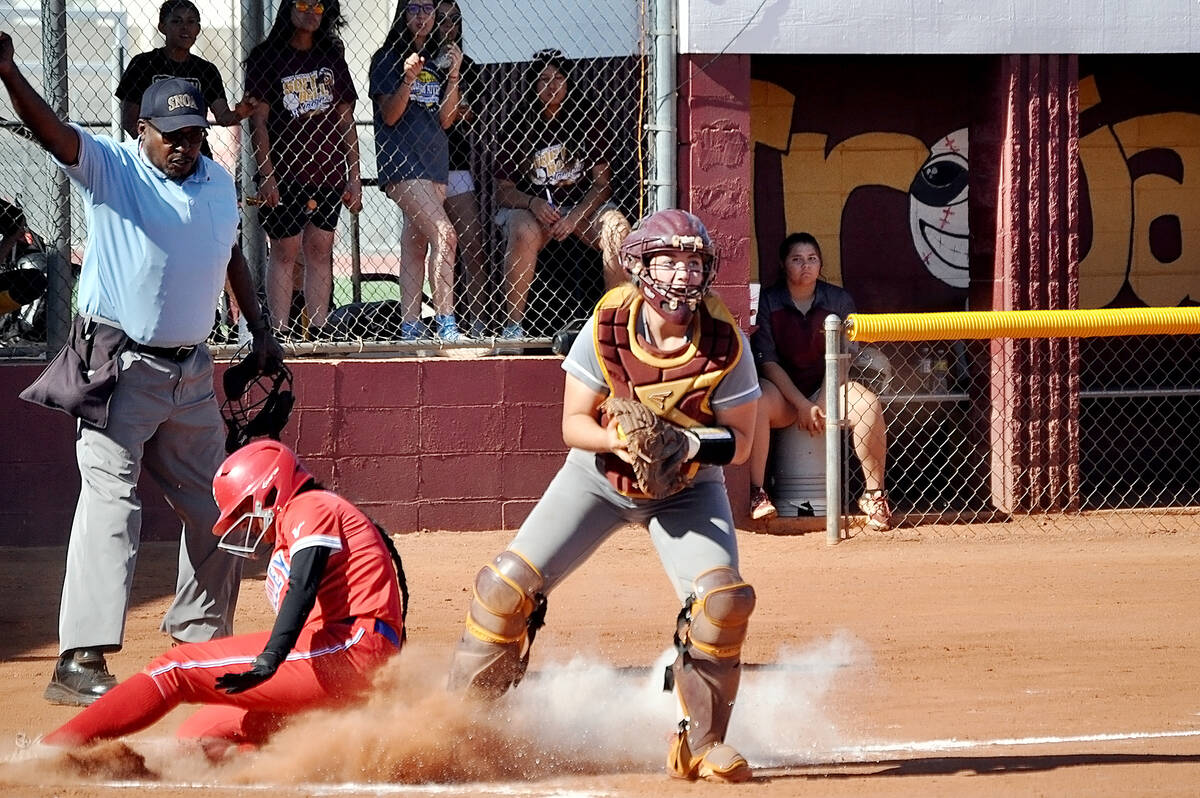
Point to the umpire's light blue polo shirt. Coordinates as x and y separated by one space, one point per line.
157 251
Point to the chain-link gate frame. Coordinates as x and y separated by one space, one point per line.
1095 423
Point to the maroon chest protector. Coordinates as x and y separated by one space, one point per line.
676 386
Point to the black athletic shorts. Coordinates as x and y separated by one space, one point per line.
301 205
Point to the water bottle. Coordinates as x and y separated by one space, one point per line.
924 369
940 372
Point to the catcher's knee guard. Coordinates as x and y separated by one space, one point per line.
506 611
709 635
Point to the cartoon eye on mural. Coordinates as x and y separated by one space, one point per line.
937 210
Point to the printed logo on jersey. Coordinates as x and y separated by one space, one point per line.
308 93
279 569
660 399
555 166
296 531
426 90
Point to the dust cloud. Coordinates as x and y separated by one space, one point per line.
576 717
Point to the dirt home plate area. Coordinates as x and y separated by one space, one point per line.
989 660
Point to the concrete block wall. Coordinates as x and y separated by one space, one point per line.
418 443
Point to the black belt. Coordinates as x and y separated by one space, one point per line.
175 353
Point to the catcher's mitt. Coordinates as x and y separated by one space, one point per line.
659 448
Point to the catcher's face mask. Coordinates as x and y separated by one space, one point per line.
251 522
257 404
681 238
674 281
250 488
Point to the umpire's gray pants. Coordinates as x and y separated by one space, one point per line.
163 415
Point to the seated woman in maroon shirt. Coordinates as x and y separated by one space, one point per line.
789 348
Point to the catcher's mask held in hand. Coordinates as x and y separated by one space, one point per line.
249 488
669 231
257 404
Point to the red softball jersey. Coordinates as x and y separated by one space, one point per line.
359 580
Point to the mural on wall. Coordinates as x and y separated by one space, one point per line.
870 155
1139 148
937 210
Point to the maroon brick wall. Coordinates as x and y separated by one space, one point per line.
715 183
420 444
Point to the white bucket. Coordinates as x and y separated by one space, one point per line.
798 472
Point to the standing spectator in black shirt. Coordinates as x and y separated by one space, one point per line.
179 23
306 150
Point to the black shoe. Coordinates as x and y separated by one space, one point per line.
80 677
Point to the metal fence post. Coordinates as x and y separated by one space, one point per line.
833 429
254 244
54 63
663 121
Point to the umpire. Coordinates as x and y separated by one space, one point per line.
162 238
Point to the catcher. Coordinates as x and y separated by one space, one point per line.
660 392
336 583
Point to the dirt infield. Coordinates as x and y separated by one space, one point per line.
964 661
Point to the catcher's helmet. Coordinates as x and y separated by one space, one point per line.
250 487
669 231
257 403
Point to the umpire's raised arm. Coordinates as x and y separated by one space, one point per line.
57 137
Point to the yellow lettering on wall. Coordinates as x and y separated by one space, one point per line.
816 187
770 123
1161 284
1102 271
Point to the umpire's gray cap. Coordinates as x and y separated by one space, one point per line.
172 104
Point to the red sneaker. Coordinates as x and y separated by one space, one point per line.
761 505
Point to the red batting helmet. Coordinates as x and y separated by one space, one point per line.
250 488
669 231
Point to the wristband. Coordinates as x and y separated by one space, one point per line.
710 445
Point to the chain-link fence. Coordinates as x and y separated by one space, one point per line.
494 187
1057 432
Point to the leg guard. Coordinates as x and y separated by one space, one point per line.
506 611
709 636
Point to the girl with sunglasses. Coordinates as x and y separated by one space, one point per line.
306 149
415 80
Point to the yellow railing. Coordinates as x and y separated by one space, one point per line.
872 327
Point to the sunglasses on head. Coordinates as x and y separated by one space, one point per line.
304 7
420 8
185 137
